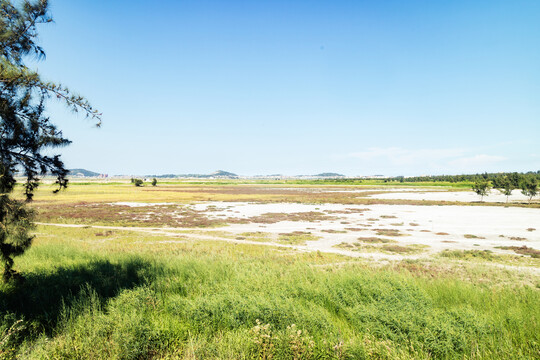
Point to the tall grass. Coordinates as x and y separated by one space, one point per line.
129 298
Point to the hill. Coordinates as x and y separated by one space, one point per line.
82 173
216 174
329 174
224 174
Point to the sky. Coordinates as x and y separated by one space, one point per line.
298 87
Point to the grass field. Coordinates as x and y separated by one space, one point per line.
108 293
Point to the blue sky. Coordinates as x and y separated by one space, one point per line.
299 87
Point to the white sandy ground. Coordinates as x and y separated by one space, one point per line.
361 190
482 221
488 222
461 196
427 193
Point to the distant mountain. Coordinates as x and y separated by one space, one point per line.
82 173
216 174
221 173
328 174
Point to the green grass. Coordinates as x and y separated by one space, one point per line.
95 294
471 254
87 297
296 238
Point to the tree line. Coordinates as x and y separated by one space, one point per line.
497 179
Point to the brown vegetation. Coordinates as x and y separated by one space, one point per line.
376 240
389 232
153 215
471 236
523 250
272 218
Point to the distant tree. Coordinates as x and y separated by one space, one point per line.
154 182
132 180
481 187
529 188
505 186
138 182
26 133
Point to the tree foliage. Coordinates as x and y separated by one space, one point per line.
514 178
25 131
529 188
505 186
481 187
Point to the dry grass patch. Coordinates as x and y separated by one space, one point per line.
347 211
471 236
296 238
255 236
172 215
470 255
272 218
442 233
389 232
385 248
405 249
375 240
105 233
522 250
355 229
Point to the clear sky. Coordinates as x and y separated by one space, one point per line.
299 87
